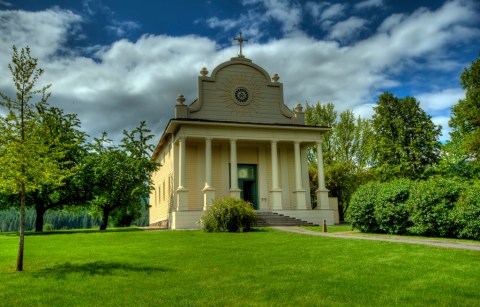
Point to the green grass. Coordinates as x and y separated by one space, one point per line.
263 268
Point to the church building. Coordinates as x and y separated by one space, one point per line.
238 139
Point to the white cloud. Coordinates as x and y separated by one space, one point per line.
287 13
122 28
346 29
5 3
433 102
46 30
130 81
368 4
443 121
226 24
333 11
438 104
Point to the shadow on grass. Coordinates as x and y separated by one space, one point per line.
101 268
73 231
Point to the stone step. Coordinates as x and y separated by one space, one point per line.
265 219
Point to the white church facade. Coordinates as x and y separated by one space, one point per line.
237 139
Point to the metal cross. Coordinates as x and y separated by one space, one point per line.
240 40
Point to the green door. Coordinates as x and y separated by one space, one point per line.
247 182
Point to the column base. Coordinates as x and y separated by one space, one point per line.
300 199
208 197
235 193
322 199
182 199
276 199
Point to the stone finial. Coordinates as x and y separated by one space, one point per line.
298 108
275 78
180 99
204 72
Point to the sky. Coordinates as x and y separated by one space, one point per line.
116 63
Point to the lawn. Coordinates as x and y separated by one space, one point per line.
262 268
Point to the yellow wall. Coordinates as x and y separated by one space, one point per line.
162 195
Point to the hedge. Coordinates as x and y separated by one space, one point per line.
438 207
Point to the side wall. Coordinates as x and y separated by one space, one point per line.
162 196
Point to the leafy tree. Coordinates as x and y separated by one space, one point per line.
25 161
120 175
465 120
321 115
347 152
62 131
407 143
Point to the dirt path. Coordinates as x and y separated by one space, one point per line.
430 242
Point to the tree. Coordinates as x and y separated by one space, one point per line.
62 131
321 115
347 154
25 161
120 175
465 118
407 143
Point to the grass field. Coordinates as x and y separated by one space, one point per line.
262 268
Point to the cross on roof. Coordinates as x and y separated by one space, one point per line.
240 40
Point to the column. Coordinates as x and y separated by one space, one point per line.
208 190
299 190
322 192
182 191
276 192
182 169
234 190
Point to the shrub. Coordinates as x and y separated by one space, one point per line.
431 206
361 211
390 210
467 213
229 214
48 227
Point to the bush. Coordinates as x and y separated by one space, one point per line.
431 206
48 227
229 214
361 211
466 214
390 210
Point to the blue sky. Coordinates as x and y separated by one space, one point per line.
116 63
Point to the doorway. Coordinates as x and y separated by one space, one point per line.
247 182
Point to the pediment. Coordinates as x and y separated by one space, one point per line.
239 90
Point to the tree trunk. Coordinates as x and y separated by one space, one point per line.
40 210
104 224
22 229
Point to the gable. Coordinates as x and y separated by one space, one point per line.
240 91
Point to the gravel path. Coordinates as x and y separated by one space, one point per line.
343 235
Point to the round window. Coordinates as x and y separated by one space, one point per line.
241 96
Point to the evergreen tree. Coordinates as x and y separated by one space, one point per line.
406 139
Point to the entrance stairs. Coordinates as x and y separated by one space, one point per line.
265 219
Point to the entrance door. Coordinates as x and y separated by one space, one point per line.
247 182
